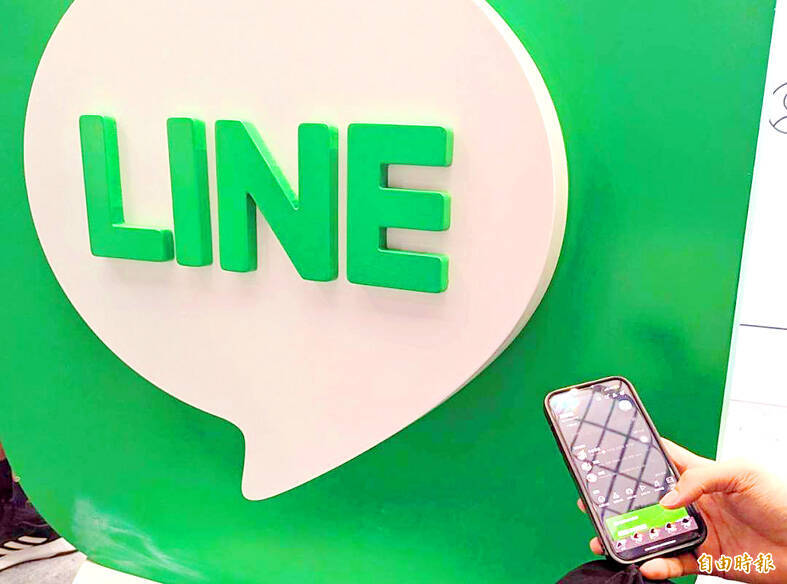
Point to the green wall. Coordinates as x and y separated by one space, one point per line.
659 103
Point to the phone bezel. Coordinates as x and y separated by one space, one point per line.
584 495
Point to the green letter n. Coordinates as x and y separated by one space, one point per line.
305 222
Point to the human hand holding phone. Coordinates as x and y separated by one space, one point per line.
614 454
745 510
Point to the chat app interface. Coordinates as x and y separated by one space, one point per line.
614 452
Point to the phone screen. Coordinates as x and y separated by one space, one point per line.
617 457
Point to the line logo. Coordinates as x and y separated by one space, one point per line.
316 220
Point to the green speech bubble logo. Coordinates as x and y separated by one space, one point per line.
401 112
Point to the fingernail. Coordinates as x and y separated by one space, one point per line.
670 498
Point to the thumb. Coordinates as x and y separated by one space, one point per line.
718 477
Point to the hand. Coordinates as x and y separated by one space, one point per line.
744 507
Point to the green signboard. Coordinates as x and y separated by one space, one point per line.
659 106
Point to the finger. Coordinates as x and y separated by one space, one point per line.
719 477
581 506
595 547
664 568
683 459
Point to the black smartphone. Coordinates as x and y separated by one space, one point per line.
621 469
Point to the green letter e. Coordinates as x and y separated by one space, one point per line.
373 207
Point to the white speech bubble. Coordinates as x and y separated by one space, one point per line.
312 373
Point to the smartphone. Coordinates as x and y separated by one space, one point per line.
621 469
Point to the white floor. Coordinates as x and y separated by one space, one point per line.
55 571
